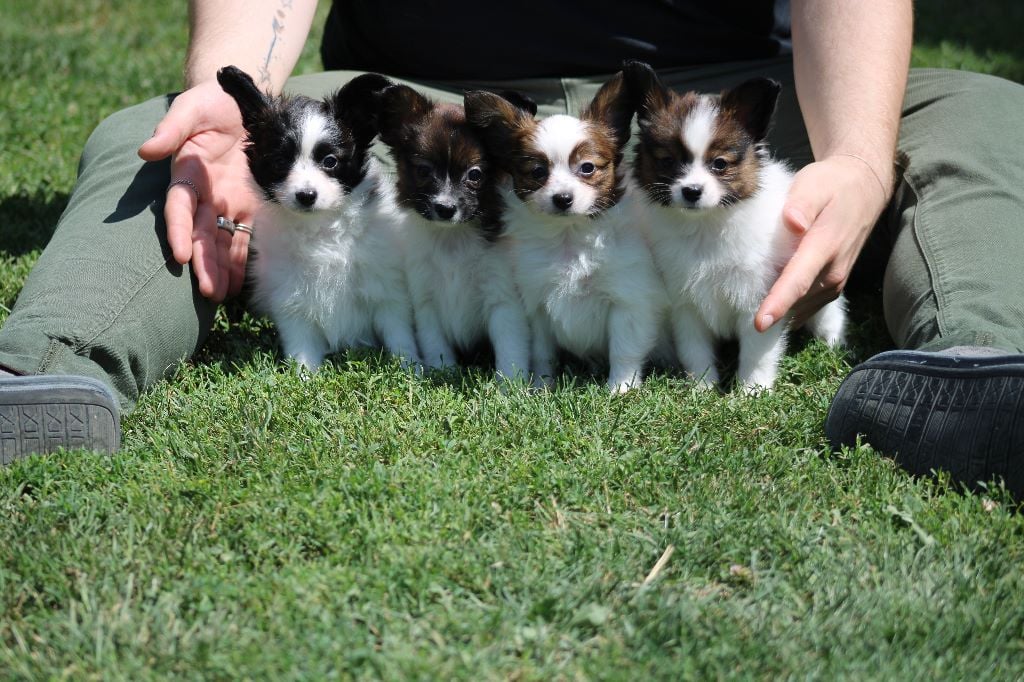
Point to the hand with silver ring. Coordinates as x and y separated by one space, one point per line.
232 226
202 133
188 183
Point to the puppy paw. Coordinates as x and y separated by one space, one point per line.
625 382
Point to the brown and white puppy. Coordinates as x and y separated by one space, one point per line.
459 278
580 263
716 229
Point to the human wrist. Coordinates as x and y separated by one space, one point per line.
881 171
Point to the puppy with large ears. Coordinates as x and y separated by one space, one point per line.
327 263
581 265
459 274
716 229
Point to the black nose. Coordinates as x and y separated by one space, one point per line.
444 211
306 197
691 193
562 201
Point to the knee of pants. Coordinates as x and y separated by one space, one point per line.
128 127
954 275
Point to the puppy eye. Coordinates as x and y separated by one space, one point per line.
329 162
719 164
539 172
474 175
423 170
587 168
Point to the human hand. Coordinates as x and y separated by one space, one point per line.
203 134
832 205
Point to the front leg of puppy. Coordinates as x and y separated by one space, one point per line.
632 334
392 323
544 349
303 342
760 354
829 323
436 350
510 337
695 345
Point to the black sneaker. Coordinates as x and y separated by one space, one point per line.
957 411
43 413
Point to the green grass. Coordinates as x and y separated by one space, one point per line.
371 524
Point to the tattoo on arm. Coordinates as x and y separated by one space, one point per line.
277 29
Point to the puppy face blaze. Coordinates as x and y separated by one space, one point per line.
303 160
701 151
306 154
692 156
443 172
566 166
561 165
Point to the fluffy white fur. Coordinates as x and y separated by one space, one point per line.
334 279
718 265
462 292
588 285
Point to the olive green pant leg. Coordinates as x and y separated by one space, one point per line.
956 272
106 299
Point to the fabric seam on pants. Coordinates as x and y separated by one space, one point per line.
928 254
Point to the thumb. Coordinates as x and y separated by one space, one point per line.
807 198
172 131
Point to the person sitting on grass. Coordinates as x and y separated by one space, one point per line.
128 285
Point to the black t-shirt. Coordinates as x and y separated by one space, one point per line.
460 39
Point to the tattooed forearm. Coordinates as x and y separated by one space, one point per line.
277 31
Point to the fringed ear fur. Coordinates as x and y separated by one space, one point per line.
613 105
251 102
499 120
357 104
400 108
648 92
752 103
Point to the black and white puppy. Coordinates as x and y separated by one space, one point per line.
458 270
328 263
716 227
580 260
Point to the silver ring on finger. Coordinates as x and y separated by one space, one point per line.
226 224
188 183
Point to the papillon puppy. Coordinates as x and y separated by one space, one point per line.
328 263
459 275
580 262
717 234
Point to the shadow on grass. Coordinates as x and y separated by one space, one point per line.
27 221
236 336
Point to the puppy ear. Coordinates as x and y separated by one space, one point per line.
357 104
521 100
752 103
498 119
613 105
649 94
400 107
252 103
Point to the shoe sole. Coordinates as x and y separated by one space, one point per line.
40 414
932 413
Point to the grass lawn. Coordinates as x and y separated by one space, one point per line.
371 524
